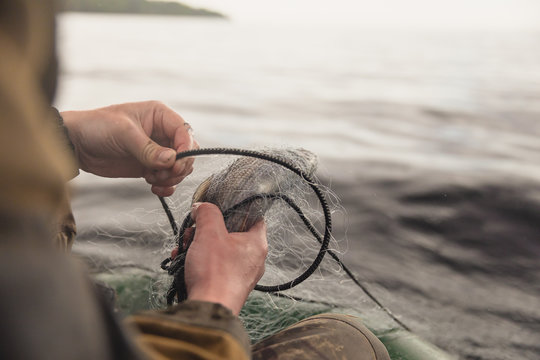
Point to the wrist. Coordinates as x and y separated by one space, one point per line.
64 134
224 297
72 123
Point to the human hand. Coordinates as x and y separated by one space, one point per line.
223 267
133 140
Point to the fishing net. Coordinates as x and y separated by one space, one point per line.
126 250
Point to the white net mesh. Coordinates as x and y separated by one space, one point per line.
125 253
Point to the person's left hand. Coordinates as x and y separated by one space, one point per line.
223 267
133 140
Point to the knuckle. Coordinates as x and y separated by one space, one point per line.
125 125
209 208
264 251
173 181
148 150
188 170
155 104
177 167
161 108
169 190
163 190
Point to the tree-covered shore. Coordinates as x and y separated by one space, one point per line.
135 7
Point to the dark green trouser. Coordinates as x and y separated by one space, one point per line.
324 337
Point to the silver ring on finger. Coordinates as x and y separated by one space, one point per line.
188 127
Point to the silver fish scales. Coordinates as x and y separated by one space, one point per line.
247 177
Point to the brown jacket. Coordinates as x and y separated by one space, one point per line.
48 307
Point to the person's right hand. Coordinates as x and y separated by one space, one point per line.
138 139
223 267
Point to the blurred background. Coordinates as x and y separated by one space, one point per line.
425 115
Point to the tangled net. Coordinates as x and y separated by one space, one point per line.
244 192
127 253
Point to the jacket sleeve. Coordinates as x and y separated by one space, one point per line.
192 330
67 145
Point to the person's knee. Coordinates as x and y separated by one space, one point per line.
324 336
349 331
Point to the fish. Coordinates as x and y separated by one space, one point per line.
249 176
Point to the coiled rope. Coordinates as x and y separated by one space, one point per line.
175 267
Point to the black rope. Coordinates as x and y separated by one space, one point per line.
169 216
176 267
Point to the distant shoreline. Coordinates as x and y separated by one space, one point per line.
136 7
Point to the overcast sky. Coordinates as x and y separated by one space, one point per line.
410 13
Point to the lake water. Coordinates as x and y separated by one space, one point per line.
430 138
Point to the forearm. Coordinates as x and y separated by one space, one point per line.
193 329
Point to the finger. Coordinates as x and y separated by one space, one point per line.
183 143
166 128
258 233
151 155
209 220
171 127
188 236
188 168
181 167
168 124
146 151
183 138
184 166
156 176
167 182
169 176
184 169
163 191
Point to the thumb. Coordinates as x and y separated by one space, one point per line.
149 153
154 156
258 228
208 218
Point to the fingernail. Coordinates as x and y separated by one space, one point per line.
166 155
151 178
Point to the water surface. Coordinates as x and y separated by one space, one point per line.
429 138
